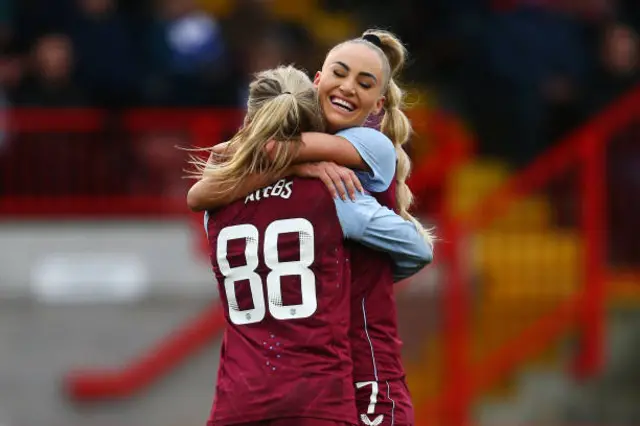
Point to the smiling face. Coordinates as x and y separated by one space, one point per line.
351 85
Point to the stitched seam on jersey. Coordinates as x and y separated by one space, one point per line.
366 331
393 403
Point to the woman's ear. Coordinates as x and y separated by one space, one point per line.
379 105
316 79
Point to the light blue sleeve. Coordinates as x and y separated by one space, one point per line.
379 228
377 152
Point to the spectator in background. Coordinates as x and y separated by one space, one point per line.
253 14
188 57
266 53
105 60
35 18
10 66
616 72
299 45
616 69
536 62
6 24
269 43
49 80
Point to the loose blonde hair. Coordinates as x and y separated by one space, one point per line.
282 104
395 124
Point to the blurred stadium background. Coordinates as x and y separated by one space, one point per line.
527 160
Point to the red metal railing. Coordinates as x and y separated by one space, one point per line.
24 189
586 148
199 128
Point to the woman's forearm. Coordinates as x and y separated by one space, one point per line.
208 193
325 147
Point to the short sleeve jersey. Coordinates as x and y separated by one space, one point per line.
283 273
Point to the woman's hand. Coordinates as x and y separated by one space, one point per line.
219 152
340 181
220 148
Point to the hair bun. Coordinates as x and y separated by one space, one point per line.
390 45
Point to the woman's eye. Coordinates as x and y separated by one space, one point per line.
338 74
365 85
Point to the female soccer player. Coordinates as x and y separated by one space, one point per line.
285 359
356 82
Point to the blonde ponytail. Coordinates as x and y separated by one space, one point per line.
396 125
282 104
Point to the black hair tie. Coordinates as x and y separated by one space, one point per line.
373 39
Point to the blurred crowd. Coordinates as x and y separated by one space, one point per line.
516 70
62 53
523 72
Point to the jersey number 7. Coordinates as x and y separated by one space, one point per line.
277 270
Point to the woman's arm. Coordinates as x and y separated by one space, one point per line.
367 150
359 148
206 193
377 227
320 147
325 147
353 147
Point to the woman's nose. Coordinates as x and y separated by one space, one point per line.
347 87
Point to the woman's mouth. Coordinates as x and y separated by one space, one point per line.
342 104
